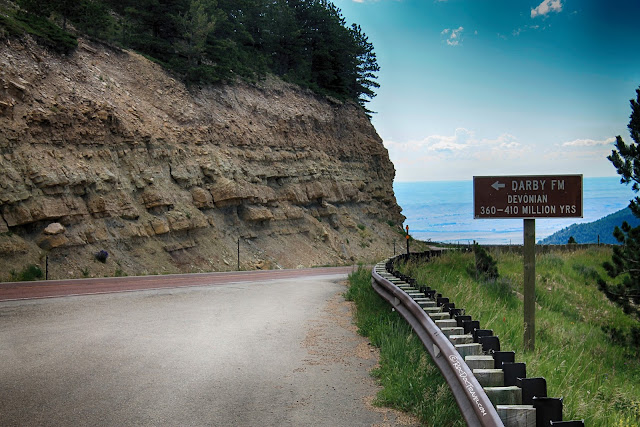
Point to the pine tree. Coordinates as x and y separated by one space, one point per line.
627 158
66 9
196 24
366 67
92 17
625 261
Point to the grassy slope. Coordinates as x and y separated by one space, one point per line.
600 382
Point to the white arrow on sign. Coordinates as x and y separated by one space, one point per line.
497 185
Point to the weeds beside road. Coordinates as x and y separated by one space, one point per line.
411 381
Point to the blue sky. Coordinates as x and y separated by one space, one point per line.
501 87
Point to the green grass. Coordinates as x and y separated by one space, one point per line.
410 380
599 380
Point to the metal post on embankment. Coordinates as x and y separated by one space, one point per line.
408 237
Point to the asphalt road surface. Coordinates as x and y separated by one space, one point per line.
55 288
276 352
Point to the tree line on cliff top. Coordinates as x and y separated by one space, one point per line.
306 42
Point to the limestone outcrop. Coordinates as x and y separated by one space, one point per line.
102 150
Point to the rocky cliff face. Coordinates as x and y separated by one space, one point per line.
102 150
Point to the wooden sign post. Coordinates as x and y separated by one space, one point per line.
528 197
529 255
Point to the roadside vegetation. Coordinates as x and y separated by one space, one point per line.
411 381
305 42
29 273
578 346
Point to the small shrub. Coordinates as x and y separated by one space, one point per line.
486 266
119 273
629 338
102 256
572 241
362 226
586 271
616 335
32 272
391 223
29 273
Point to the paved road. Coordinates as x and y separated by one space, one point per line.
273 353
10 291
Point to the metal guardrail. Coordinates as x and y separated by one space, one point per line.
475 406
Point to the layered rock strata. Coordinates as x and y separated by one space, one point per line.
102 150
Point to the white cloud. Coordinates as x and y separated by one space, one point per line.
546 7
454 35
520 30
462 142
464 154
456 156
459 141
588 142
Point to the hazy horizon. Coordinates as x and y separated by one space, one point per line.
443 211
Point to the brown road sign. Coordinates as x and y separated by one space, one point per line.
531 196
